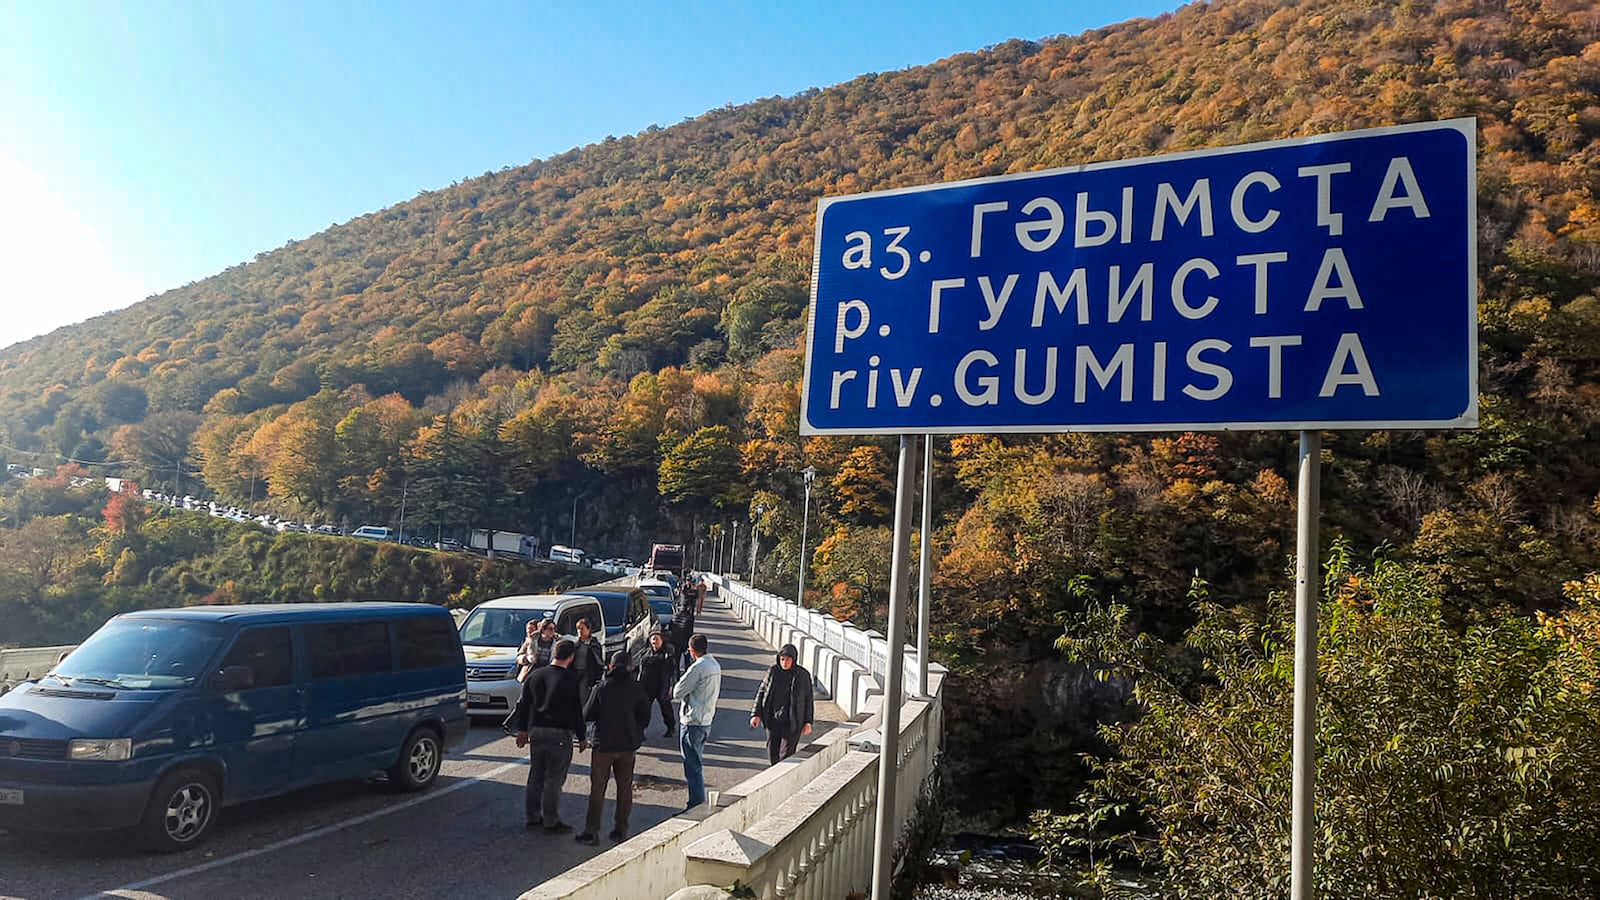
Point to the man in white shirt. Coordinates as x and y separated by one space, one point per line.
696 693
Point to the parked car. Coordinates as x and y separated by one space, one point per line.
496 628
657 587
290 695
629 618
374 532
448 544
662 606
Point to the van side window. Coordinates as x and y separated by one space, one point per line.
348 648
426 643
269 654
638 608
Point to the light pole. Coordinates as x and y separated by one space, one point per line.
733 547
810 475
572 541
755 541
404 482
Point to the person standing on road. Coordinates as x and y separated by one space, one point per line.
590 661
657 671
547 719
784 705
681 629
619 710
697 691
536 650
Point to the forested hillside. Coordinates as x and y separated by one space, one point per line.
614 332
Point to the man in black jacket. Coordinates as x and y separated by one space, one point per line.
682 629
784 705
589 660
619 710
548 718
657 671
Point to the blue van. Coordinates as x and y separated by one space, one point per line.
164 716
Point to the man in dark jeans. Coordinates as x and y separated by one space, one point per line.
619 710
784 704
657 671
548 718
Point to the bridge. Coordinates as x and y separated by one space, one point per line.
802 828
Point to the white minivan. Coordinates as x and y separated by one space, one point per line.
495 629
375 532
572 556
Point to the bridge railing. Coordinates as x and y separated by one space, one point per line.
819 842
803 828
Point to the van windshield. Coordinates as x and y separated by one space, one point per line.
143 653
498 627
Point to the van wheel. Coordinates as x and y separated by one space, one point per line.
421 757
182 810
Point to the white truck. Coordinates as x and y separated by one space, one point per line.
511 543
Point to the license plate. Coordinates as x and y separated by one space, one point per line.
478 698
10 798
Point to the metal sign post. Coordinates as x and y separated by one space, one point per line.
1308 284
894 681
1307 581
925 568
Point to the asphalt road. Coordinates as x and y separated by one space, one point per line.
463 837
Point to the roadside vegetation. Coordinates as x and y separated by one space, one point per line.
71 556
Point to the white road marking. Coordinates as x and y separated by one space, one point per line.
131 891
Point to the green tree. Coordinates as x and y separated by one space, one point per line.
702 470
1451 763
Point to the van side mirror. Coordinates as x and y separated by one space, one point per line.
233 678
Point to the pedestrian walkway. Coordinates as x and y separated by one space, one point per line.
734 751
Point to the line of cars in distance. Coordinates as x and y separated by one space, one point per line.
162 717
235 514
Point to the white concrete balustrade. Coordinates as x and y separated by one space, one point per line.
803 828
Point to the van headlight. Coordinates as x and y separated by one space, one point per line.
106 749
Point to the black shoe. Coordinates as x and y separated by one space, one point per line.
588 839
618 835
557 828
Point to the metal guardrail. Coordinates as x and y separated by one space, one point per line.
21 664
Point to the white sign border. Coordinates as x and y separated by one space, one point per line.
1467 127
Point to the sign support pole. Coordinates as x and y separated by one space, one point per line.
1308 578
894 681
925 568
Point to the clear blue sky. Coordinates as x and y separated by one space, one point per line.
149 144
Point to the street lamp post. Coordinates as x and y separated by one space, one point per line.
572 540
404 483
733 547
810 475
755 541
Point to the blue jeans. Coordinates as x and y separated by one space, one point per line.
692 741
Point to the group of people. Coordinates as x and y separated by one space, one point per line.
566 690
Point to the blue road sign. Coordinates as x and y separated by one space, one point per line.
1315 283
